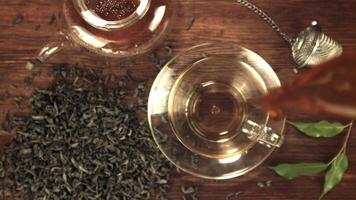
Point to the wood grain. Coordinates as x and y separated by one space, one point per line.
222 20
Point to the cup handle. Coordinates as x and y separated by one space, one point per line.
264 135
48 50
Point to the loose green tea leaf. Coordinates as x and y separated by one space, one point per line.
319 129
19 19
82 142
52 19
190 23
157 60
168 47
260 185
264 184
189 192
268 183
335 173
291 171
32 64
229 196
233 195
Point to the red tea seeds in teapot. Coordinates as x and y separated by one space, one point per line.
112 10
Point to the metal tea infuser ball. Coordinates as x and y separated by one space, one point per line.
311 47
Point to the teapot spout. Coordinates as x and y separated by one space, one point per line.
47 51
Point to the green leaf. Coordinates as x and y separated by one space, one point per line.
335 173
291 171
319 129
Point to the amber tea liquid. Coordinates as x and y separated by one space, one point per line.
208 106
215 111
138 25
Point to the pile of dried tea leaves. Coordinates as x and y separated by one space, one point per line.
82 142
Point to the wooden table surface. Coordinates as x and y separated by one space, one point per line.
222 20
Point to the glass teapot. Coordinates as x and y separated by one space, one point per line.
114 29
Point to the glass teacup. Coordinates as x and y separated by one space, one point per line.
203 113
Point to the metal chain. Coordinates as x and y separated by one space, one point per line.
266 18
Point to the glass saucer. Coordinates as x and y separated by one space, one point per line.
203 114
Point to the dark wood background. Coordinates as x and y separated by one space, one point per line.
223 20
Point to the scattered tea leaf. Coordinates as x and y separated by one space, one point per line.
229 196
335 173
187 190
268 183
291 171
204 55
37 27
168 48
319 129
19 19
261 184
190 23
28 80
13 86
156 60
32 64
18 99
237 194
194 161
81 139
233 195
52 19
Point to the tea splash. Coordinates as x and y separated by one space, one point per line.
328 89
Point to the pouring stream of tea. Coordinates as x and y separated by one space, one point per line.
328 89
